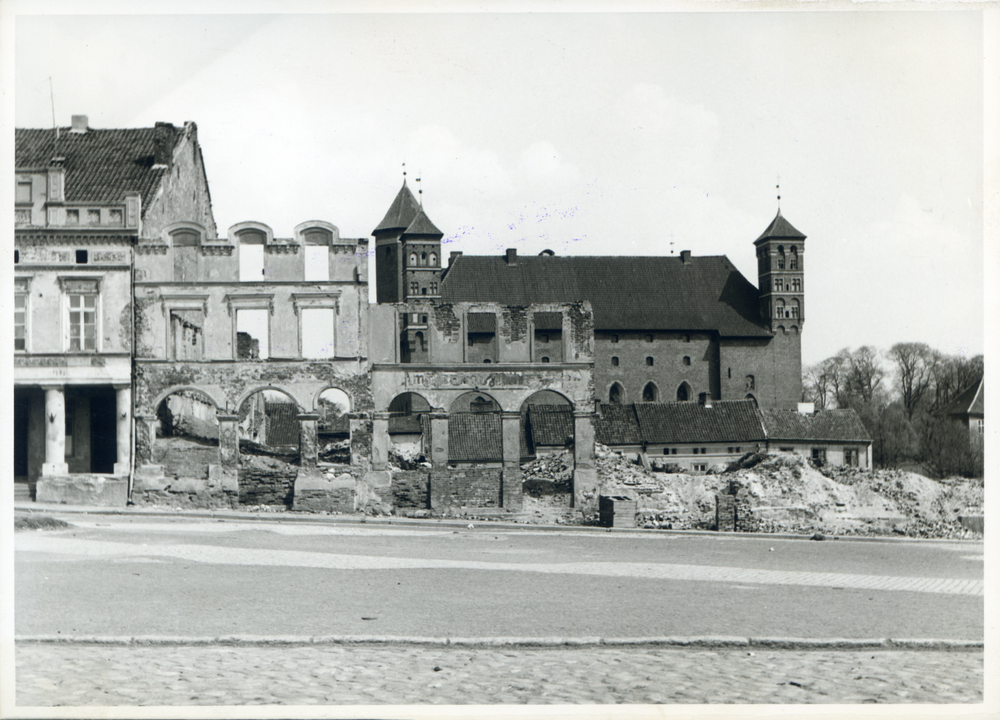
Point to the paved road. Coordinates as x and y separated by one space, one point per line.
129 575
370 675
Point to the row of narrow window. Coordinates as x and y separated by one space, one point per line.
651 393
781 286
649 360
782 311
415 288
649 338
424 260
699 451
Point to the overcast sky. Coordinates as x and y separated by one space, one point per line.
588 134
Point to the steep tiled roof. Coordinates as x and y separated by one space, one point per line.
781 228
475 437
969 402
638 293
725 421
617 425
282 424
837 425
481 322
422 225
101 165
550 424
402 212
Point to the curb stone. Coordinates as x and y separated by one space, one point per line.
706 642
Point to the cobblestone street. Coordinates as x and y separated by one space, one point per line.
407 674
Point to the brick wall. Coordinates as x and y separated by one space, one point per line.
411 489
472 487
668 370
267 483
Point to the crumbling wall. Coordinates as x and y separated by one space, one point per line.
514 326
446 321
468 487
266 481
411 489
581 346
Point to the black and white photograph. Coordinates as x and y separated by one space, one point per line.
413 360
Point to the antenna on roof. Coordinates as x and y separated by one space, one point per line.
52 98
420 191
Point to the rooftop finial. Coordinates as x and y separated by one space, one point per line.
671 242
420 190
778 188
404 173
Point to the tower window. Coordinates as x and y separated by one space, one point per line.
434 288
649 360
413 259
414 287
545 359
543 338
796 285
777 284
617 394
423 291
793 260
614 361
687 360
649 393
434 260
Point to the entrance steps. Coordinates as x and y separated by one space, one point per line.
23 492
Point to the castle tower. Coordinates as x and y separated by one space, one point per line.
780 280
407 252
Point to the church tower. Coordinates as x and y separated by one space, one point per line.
780 257
407 252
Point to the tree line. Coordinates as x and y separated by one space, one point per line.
899 396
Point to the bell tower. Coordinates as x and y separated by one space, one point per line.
780 277
407 252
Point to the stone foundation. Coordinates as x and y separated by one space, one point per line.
83 490
324 490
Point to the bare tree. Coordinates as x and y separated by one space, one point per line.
864 373
915 373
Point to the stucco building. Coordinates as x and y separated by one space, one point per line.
83 196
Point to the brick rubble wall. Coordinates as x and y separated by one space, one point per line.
260 485
411 489
471 487
337 500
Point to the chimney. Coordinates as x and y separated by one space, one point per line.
163 144
79 124
807 408
512 256
686 257
705 399
454 254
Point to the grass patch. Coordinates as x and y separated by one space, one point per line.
38 522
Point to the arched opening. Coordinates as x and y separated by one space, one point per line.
475 435
793 260
251 255
407 423
781 257
617 394
434 260
547 435
186 435
268 429
650 393
684 392
333 429
750 396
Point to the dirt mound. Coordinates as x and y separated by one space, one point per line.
38 522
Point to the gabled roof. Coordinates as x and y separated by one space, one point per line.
550 425
402 212
780 228
475 437
837 425
724 421
969 402
101 165
422 225
626 293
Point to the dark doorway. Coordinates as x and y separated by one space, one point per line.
103 431
22 409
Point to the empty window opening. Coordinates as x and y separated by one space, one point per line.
23 192
617 394
544 360
649 361
423 291
81 257
683 392
423 319
614 338
251 257
793 260
187 334
317 259
687 360
252 335
687 338
650 393
614 361
317 332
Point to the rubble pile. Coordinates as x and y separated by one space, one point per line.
403 457
336 452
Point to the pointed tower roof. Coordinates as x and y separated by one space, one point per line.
422 225
401 213
780 228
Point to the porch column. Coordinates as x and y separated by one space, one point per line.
439 439
511 497
585 482
123 426
55 432
380 441
229 442
308 439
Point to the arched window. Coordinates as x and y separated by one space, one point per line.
649 361
545 359
781 257
793 260
617 394
414 287
423 258
796 285
684 392
751 397
413 259
614 361
777 285
418 341
795 308
434 260
650 392
779 309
